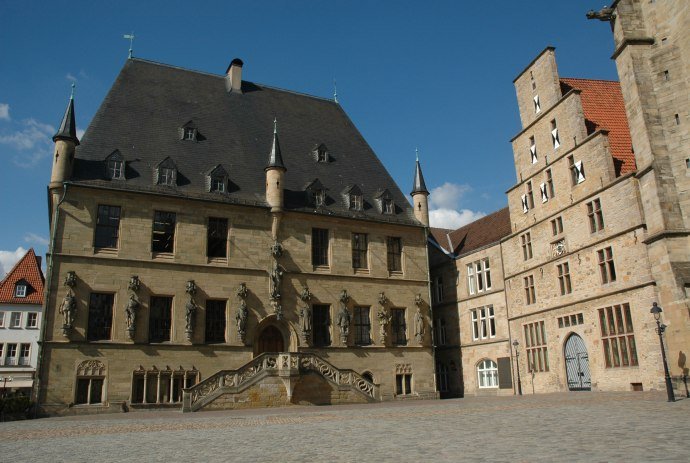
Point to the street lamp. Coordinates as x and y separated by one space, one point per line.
4 385
660 328
516 344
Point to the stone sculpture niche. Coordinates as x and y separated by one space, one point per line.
275 280
343 317
68 307
419 324
132 306
384 318
305 315
190 309
242 313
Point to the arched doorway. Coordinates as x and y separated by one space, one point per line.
577 364
271 340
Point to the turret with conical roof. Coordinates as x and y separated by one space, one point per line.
275 172
420 196
65 142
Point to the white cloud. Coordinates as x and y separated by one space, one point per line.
36 239
9 258
80 133
448 196
4 111
452 219
70 77
33 141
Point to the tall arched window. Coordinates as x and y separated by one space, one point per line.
487 374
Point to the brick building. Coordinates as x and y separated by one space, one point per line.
199 261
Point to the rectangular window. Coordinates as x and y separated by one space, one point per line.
572 170
479 276
437 289
550 190
166 176
403 384
557 226
160 319
471 284
388 207
89 391
115 168
530 294
107 226
399 327
2 319
394 251
16 320
319 198
617 336
537 106
322 325
359 250
596 216
218 184
217 237
441 337
319 247
362 326
100 316
483 323
571 320
554 135
24 354
533 150
163 232
356 202
161 386
530 196
20 291
535 344
32 320
215 321
607 268
526 240
11 354
564 278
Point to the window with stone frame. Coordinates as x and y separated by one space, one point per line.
359 251
483 323
403 384
160 319
533 150
617 335
107 227
471 281
218 184
555 138
217 237
163 232
557 225
215 321
394 253
441 334
550 190
398 327
535 345
529 195
362 325
526 242
595 215
161 386
537 105
530 293
442 376
487 374
437 289
321 320
483 275
90 383
24 354
166 176
607 268
319 247
100 317
564 278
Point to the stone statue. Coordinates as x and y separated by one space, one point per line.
343 318
276 250
305 320
190 311
384 319
68 310
419 326
276 278
131 312
241 320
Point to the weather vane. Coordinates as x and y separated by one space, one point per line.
71 96
416 154
131 42
335 91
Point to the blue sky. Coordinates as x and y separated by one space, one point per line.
435 75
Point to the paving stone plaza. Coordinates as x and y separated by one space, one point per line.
548 427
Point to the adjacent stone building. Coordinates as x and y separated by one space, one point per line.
199 261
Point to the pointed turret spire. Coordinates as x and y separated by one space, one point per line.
419 186
68 127
275 159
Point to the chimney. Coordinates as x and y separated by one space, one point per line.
233 76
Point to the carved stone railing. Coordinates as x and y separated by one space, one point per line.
287 366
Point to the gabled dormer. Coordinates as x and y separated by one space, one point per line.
385 202
115 166
355 198
22 288
165 173
320 153
217 180
189 132
316 193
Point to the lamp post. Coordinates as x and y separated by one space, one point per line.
516 344
4 385
660 328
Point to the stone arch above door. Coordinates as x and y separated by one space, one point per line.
290 338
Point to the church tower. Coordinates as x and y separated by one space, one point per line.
420 196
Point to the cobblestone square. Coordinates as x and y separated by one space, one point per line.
548 427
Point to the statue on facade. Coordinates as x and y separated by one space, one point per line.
276 279
383 317
190 309
131 313
343 317
305 314
276 250
419 328
241 320
68 310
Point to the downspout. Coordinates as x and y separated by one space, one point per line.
46 297
510 337
431 310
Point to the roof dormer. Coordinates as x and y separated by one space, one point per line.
21 288
217 180
316 193
188 132
386 203
115 166
355 198
320 153
165 173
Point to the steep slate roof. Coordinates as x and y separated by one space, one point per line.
481 232
604 108
149 102
29 269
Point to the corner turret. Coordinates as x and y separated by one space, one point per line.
65 143
275 172
420 196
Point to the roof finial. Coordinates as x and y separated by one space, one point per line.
335 91
71 96
131 43
275 125
416 154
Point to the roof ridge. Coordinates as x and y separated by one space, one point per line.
222 76
17 264
590 79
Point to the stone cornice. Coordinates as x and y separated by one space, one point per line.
631 41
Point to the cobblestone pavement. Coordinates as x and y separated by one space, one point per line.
553 427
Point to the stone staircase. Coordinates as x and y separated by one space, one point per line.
289 367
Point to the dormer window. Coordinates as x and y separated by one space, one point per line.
217 179
115 166
218 184
319 198
166 173
388 206
321 153
386 202
316 193
20 290
189 132
356 202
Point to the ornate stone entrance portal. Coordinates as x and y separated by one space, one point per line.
271 340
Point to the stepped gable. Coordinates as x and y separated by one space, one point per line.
604 108
149 104
28 269
481 232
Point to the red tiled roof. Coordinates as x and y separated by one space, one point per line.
481 232
29 269
604 108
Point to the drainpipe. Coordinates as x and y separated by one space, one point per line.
46 297
513 366
431 310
